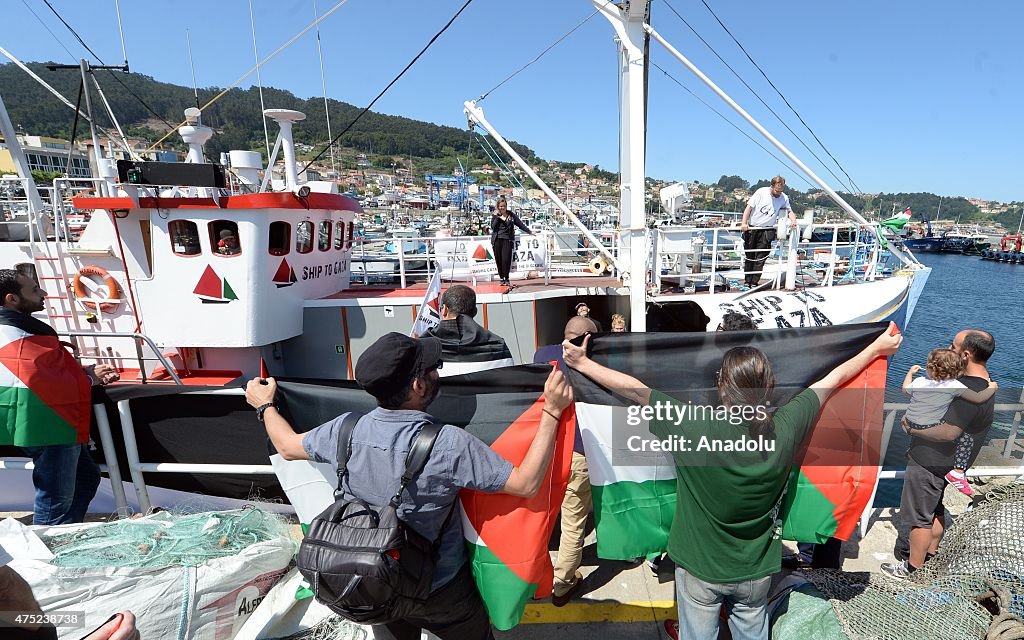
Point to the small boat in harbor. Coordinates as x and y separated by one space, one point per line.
1011 250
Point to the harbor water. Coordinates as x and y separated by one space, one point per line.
962 292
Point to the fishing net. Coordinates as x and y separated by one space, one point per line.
330 629
983 551
166 540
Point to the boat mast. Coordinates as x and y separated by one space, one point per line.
629 22
21 166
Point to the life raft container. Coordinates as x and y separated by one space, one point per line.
82 295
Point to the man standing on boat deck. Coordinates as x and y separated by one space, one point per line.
464 343
760 217
402 374
51 429
931 457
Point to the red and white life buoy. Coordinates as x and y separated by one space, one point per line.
83 296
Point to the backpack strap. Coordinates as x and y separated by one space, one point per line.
422 445
348 426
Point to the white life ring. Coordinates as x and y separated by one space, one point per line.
598 266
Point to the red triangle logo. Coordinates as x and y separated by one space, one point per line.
209 284
480 253
285 275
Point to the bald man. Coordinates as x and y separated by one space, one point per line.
577 503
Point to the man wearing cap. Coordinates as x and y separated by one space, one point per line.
583 311
402 374
228 243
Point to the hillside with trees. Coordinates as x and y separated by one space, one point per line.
236 117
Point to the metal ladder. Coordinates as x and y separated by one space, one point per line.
50 262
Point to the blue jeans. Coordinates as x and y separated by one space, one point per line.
66 478
699 604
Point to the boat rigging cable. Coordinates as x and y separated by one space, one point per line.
48 30
250 71
57 94
494 157
437 35
761 100
100 60
731 123
539 56
323 85
791 107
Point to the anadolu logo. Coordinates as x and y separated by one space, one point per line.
285 275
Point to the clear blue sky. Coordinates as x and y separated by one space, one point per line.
909 96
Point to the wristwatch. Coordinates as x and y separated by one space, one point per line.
260 410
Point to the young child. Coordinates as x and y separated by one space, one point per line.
618 323
930 397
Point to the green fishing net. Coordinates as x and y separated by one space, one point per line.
983 550
166 539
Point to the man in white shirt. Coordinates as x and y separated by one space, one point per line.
763 211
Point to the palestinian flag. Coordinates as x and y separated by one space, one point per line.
44 394
635 492
507 536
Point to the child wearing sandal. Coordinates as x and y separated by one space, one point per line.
930 397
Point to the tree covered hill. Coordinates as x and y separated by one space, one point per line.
236 116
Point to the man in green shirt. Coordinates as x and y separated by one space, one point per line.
732 465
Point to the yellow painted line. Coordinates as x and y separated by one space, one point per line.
581 611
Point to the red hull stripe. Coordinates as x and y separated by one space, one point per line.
276 200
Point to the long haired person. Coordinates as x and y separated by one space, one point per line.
503 237
725 538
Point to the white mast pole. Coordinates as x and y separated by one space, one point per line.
259 79
633 254
120 30
323 84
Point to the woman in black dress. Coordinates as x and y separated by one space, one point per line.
503 237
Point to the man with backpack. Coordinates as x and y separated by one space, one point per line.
401 373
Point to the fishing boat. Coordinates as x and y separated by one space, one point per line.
1011 250
299 295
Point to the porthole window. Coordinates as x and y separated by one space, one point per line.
280 238
224 237
304 237
184 237
339 235
323 241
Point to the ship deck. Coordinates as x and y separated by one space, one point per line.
487 292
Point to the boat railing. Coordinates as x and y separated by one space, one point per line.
61 195
415 258
815 254
893 414
140 340
137 467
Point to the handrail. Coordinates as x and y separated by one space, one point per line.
138 338
861 257
367 250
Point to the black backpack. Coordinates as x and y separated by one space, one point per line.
363 562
